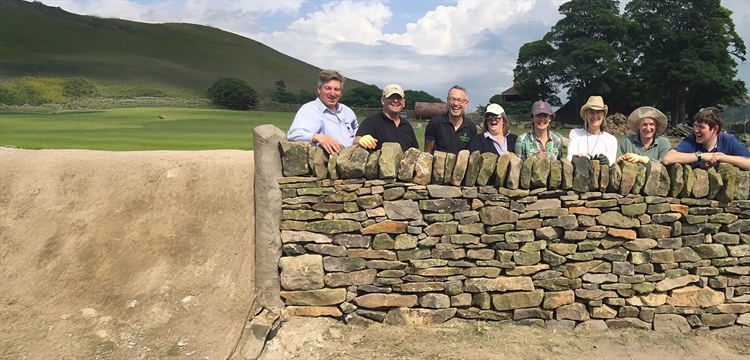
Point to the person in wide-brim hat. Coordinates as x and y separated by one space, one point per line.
593 141
646 143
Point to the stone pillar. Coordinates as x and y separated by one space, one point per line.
267 214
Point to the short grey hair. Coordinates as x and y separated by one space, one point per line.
328 75
457 87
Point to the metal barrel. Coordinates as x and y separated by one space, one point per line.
426 110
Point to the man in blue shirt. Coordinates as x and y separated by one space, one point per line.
324 120
708 146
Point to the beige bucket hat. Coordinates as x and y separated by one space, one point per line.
647 112
595 103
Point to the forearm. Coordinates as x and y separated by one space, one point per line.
675 157
738 161
429 145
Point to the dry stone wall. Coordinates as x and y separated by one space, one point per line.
405 238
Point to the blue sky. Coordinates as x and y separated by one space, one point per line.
419 44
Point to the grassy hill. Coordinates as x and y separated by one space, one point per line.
38 40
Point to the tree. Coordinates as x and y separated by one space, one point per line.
686 50
592 50
367 96
511 108
284 97
531 76
280 85
306 96
414 96
232 93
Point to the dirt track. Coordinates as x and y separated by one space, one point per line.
128 255
124 255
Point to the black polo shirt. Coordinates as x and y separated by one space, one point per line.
448 139
384 130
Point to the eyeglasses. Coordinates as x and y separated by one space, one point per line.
456 100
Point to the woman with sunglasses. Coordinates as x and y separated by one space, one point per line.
496 137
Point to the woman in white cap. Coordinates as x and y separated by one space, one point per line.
593 141
496 137
646 143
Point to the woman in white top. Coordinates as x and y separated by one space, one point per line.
593 141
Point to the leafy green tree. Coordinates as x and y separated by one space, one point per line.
414 96
363 96
284 97
232 93
531 76
511 108
305 96
280 85
687 54
592 50
77 87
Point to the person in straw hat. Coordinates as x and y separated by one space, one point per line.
645 144
496 137
593 141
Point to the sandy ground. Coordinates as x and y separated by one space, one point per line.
149 255
124 255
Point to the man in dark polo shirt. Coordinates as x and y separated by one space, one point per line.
387 125
450 132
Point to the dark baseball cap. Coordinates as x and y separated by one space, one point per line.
541 107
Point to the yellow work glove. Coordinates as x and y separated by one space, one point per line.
640 159
367 141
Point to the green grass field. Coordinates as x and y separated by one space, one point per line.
138 129
142 129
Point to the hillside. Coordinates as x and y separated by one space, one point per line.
38 40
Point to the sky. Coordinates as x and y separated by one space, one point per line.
418 44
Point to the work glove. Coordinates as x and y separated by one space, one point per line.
368 141
633 158
603 159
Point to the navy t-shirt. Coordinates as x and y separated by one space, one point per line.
727 144
384 130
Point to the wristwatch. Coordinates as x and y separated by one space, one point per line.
699 154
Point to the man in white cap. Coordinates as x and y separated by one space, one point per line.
387 125
646 144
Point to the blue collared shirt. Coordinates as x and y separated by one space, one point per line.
315 118
727 144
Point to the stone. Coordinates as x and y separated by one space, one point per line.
435 301
700 185
333 226
472 168
303 236
402 210
487 163
669 284
657 180
320 297
371 167
654 231
603 312
494 215
695 297
620 323
525 178
555 299
640 180
423 169
445 205
688 180
575 311
567 222
501 284
710 251
582 174
351 162
312 311
387 226
370 201
676 179
441 191
304 272
294 158
407 164
356 278
671 324
540 172
517 300
343 264
390 160
407 316
715 183
717 320
574 270
614 218
558 284
351 240
629 175
459 171
640 244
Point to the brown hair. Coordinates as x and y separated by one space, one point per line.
328 75
710 116
506 125
604 127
